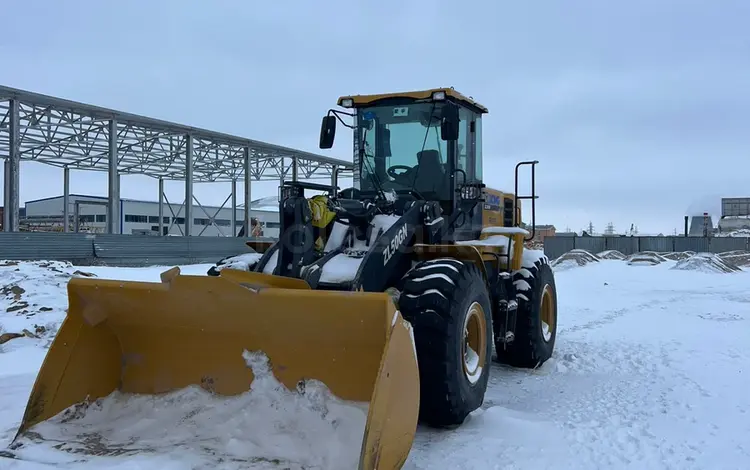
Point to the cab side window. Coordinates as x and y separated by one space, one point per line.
465 157
470 144
477 147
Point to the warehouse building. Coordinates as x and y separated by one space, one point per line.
139 217
735 214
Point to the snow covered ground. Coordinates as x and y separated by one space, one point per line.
650 372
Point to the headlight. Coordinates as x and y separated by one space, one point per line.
288 192
347 103
470 192
438 95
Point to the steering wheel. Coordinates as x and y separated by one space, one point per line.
392 170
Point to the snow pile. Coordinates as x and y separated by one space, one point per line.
343 267
491 240
32 297
645 258
243 262
611 254
267 427
707 263
574 258
743 232
736 257
676 255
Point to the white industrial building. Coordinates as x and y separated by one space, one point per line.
89 214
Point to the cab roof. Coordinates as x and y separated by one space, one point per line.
366 100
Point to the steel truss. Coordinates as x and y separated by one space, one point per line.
72 135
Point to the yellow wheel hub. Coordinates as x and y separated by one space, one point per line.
474 344
547 311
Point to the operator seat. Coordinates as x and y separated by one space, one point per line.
431 175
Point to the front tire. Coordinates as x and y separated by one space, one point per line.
447 303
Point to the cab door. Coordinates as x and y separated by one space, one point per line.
469 162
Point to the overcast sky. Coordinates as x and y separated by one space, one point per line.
638 111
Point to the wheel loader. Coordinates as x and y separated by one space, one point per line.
392 292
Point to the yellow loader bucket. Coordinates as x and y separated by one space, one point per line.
152 338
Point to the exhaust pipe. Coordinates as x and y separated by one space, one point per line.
686 225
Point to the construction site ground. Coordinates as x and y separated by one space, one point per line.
650 371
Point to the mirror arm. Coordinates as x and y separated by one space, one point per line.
336 113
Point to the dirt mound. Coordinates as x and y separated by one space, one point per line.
707 263
534 245
573 259
33 298
676 255
736 257
645 258
611 254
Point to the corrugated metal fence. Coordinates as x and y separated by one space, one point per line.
556 246
135 250
119 250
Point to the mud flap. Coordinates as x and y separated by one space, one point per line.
152 338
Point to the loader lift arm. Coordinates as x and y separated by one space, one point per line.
387 254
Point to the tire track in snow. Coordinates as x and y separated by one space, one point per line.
663 304
605 397
613 316
623 402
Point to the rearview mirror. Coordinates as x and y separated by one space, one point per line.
386 142
327 131
449 123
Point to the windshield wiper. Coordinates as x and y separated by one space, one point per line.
374 178
424 143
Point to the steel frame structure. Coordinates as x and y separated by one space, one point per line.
73 135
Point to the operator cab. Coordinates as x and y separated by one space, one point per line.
424 145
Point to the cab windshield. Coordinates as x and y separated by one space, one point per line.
403 150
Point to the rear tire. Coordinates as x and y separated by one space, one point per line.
447 304
536 324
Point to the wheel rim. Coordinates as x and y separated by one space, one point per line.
474 347
547 310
